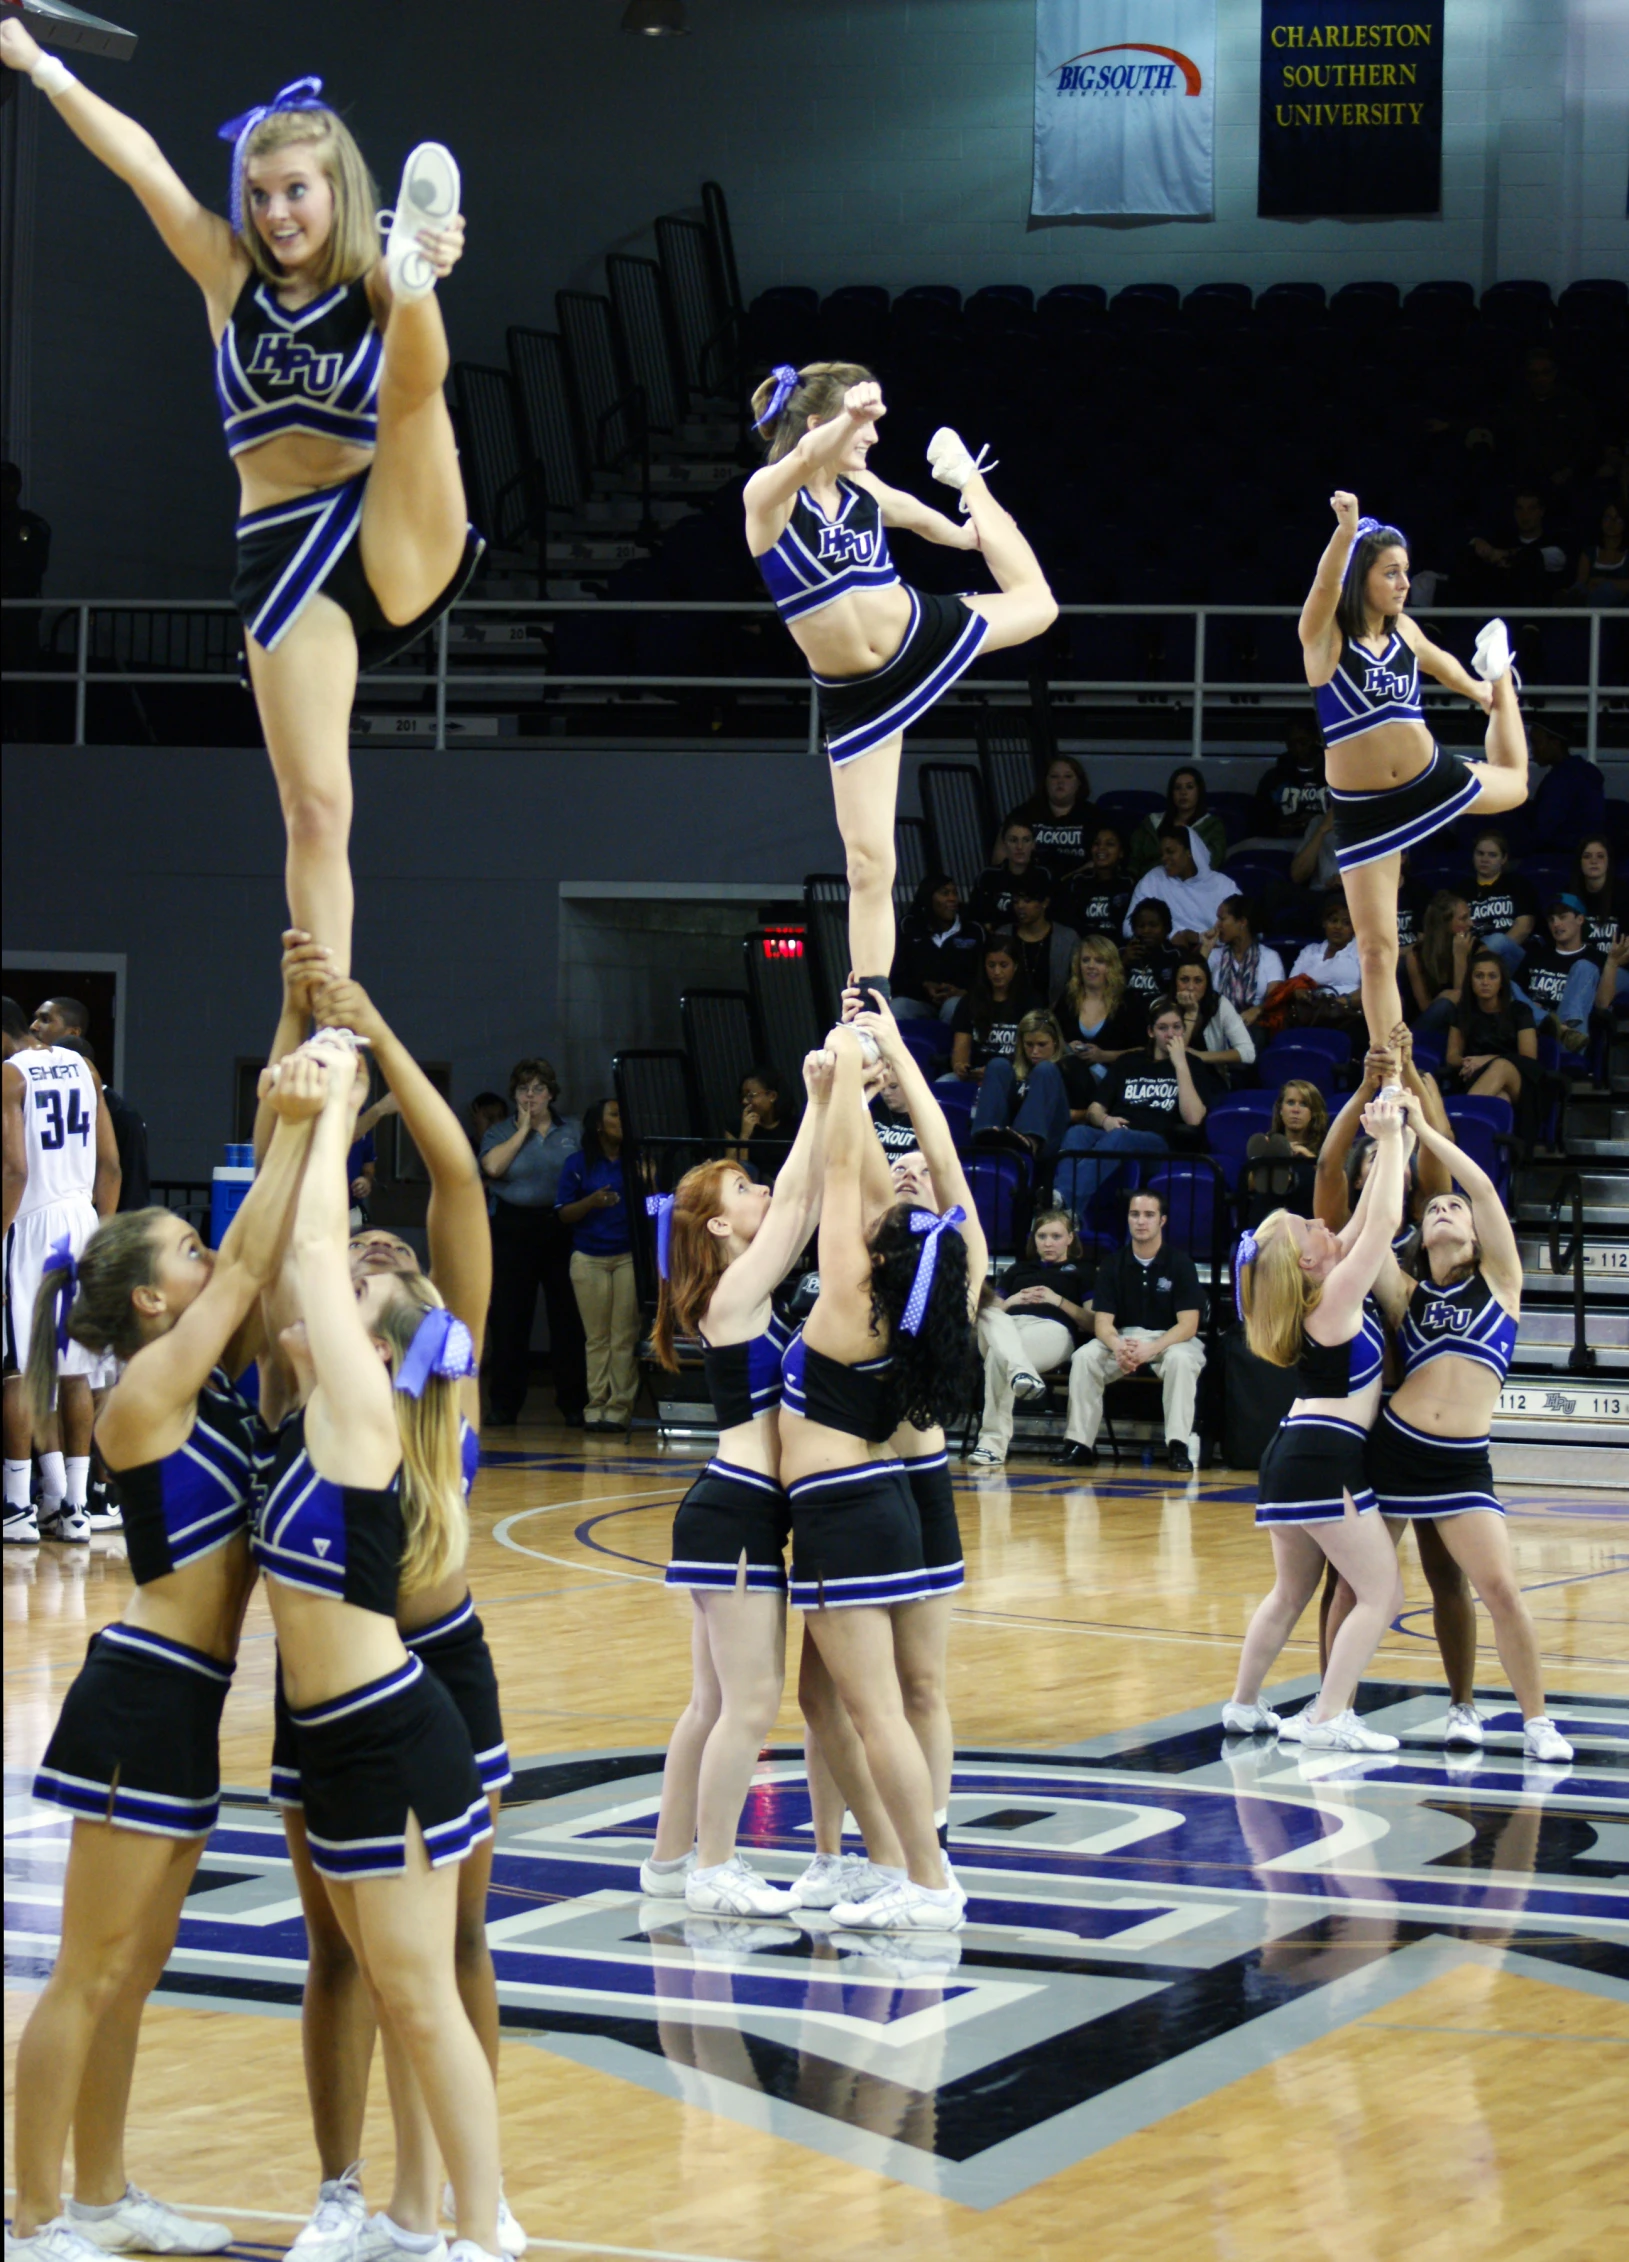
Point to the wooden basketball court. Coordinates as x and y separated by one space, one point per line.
1246 2006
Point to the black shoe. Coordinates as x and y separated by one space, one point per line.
1076 1457
1000 1139
1179 1460
573 1417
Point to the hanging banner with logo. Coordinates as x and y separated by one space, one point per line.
1125 107
1351 108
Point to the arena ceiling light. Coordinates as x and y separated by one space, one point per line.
657 19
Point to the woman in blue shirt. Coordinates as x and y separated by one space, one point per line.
522 1159
593 1207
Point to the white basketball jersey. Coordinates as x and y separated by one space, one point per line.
59 1125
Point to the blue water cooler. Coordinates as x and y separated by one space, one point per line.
230 1181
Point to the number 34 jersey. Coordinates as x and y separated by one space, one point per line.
59 1126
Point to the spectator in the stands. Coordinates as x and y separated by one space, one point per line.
1045 950
769 1120
1520 563
984 1026
1060 814
594 1209
1243 969
1150 1100
522 1158
1314 864
1412 898
1602 890
1093 898
1564 978
1184 882
1212 1029
1031 1100
1283 1160
1492 1048
891 1115
1187 802
1435 966
129 1132
1031 1320
1333 963
1547 430
1091 1012
1568 801
1300 1117
1603 569
1292 791
485 1109
1145 1314
1504 909
938 950
991 900
1149 957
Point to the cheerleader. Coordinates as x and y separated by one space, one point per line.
1304 1298
330 359
890 1339
1391 785
134 1757
879 654
1429 1458
364 1497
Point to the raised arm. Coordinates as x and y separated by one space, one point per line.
917 517
1331 1192
797 1198
1320 638
456 1223
1378 1212
845 1280
305 966
200 240
1431 1177
1501 1258
350 1420
770 493
1444 666
932 1136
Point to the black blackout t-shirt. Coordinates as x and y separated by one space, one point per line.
1068 1279
1145 1092
1147 1295
1608 917
1000 1040
1496 908
894 1128
1544 970
991 900
1412 898
1061 842
1091 904
1149 978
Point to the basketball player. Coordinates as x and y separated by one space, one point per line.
329 364
1390 784
879 654
61 1177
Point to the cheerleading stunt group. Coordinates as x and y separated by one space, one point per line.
303 1405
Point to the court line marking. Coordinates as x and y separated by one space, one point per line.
551 2245
648 1496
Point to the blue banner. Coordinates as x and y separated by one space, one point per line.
1351 108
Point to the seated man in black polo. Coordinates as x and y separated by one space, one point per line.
1146 1307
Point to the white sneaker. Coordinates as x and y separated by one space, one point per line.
666 1884
23 1530
903 1907
336 2220
108 1517
1292 1726
382 2240
466 2250
1491 657
1345 1732
511 2237
56 2241
951 463
1464 1725
734 1889
986 1457
141 2224
1027 1388
824 1883
1249 1720
1541 1739
65 1523
428 199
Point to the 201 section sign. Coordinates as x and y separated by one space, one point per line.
1351 108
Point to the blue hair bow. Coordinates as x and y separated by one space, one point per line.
660 1207
299 94
1364 526
61 1260
1244 1254
442 1346
786 384
923 1221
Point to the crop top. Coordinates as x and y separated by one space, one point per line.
1466 1320
196 1498
744 1379
313 370
841 1397
339 1540
1368 689
819 559
1341 1370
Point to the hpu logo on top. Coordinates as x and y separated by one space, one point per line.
1083 74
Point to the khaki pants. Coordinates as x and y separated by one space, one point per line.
1094 1367
608 1299
1014 1343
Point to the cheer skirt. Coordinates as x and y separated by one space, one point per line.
1309 1467
137 1742
929 1479
726 1513
857 1540
1369 826
861 712
1416 1474
376 1755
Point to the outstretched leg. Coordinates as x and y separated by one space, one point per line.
414 514
1503 777
1026 606
866 792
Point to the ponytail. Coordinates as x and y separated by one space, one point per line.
1275 1295
818 392
696 1259
429 1422
118 1258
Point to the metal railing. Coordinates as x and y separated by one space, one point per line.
445 677
1581 1358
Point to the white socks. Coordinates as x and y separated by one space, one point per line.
77 1466
17 1476
53 1481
